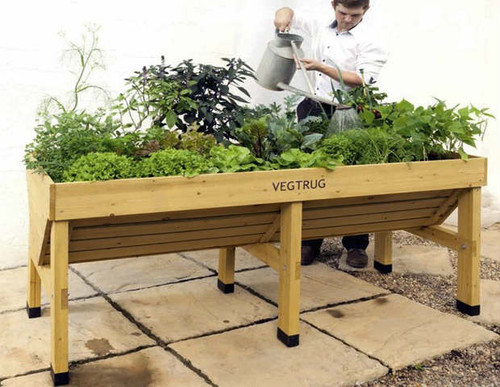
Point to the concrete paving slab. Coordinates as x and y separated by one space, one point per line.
135 273
397 331
253 356
490 242
320 286
95 329
13 290
149 367
189 309
490 303
210 258
410 259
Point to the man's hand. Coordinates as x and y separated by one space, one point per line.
311 64
283 19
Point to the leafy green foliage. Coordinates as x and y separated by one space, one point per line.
100 166
188 94
368 146
295 158
62 138
435 130
157 138
236 159
154 98
278 131
173 162
172 120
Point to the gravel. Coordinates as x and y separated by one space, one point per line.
478 365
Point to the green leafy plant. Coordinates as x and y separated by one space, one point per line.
100 166
295 158
153 98
278 131
188 94
62 138
236 159
173 162
434 131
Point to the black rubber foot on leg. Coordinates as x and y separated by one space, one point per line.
59 379
467 309
289 341
33 312
225 288
384 269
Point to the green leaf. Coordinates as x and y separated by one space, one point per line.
171 119
463 155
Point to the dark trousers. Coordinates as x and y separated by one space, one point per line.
305 109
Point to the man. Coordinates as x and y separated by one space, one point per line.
346 46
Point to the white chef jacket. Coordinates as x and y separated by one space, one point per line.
352 50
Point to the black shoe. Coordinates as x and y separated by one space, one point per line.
357 258
307 255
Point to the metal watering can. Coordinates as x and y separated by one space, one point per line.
278 67
279 63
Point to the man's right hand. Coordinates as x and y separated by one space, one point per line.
283 19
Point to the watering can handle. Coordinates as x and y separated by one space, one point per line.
297 56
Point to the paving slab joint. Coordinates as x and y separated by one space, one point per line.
256 294
347 344
145 330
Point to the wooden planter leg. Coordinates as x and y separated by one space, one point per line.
33 302
469 255
59 302
383 252
289 274
225 281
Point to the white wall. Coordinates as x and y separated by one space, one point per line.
446 48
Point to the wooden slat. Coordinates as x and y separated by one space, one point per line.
324 232
371 208
152 195
368 218
266 252
176 215
446 208
162 248
271 230
371 199
183 225
104 243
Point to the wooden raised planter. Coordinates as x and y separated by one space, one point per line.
92 221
